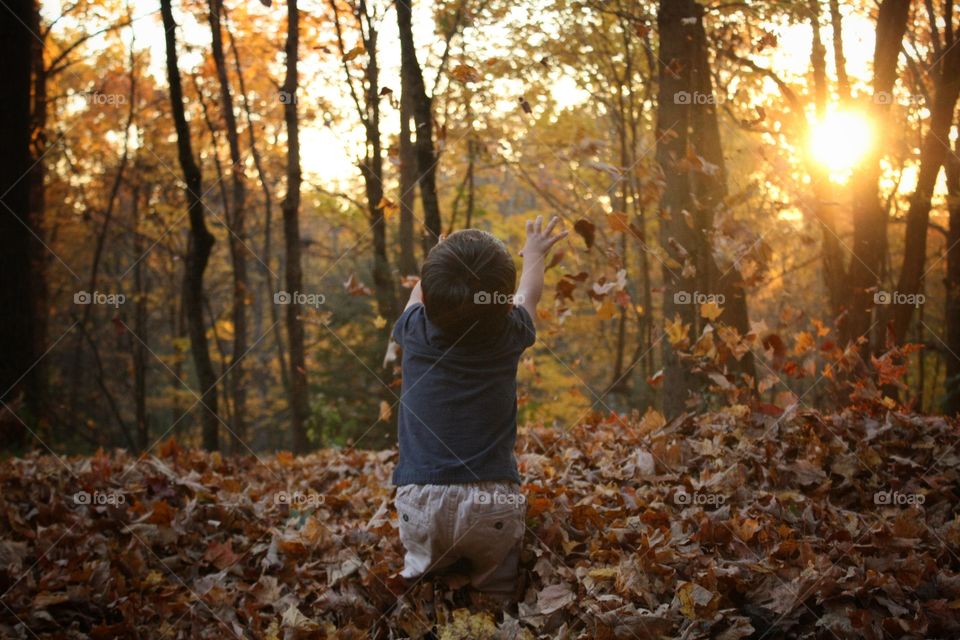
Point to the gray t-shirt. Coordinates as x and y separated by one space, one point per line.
457 421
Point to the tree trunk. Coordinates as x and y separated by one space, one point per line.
408 185
834 271
932 156
676 236
200 240
951 404
19 247
237 236
140 328
269 285
710 192
383 283
839 59
421 105
869 216
299 405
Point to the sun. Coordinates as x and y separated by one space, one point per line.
839 140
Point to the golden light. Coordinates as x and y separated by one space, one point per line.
839 140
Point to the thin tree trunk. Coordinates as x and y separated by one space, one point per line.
408 185
423 117
839 59
237 238
299 405
834 272
140 328
200 240
951 404
270 286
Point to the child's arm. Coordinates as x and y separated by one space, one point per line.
538 245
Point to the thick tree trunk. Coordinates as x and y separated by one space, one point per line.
18 246
676 236
710 191
932 156
869 216
299 404
423 116
237 236
200 240
951 404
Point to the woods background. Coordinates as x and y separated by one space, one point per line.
214 212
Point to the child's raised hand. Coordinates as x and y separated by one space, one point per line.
540 240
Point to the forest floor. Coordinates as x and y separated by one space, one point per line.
727 525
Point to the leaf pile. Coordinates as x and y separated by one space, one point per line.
729 525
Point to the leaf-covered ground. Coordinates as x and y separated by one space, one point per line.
729 525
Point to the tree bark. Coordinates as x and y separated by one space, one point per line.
299 404
951 404
237 236
676 236
421 105
18 245
408 185
200 241
710 192
932 156
839 59
869 216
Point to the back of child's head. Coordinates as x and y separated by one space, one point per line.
468 282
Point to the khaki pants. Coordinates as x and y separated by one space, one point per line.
482 522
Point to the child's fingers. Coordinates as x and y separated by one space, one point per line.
538 225
550 227
557 238
529 227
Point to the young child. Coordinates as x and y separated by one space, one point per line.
458 495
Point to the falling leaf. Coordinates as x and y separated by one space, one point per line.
586 230
710 310
465 73
354 53
356 288
677 331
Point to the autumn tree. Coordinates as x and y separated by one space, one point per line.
200 239
299 403
19 232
